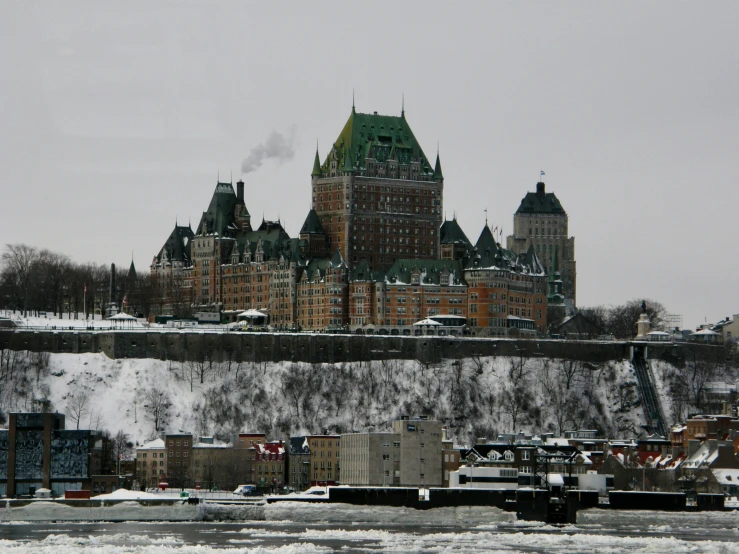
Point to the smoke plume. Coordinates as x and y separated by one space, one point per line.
277 146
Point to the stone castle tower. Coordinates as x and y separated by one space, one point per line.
542 222
376 195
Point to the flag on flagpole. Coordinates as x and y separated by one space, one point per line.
542 174
85 287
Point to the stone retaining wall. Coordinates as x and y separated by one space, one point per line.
323 348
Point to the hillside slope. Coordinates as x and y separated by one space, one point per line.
475 397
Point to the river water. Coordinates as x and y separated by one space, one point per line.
370 531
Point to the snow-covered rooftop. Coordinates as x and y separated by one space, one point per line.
156 443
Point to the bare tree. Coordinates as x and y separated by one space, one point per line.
515 400
78 406
96 421
20 260
197 370
157 404
122 446
622 319
569 371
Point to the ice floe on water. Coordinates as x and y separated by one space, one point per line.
328 540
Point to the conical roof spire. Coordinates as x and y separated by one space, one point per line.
312 224
438 175
348 167
316 165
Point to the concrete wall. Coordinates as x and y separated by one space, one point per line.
324 348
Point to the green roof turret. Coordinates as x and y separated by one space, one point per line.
312 224
316 166
438 176
347 166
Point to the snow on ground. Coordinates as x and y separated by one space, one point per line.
281 398
69 322
125 494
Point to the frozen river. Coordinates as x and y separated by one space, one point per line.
369 530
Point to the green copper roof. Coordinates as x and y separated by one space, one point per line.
312 225
431 271
316 166
452 233
540 202
438 175
378 136
337 260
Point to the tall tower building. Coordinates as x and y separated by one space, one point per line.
542 222
376 194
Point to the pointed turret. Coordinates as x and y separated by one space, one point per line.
438 176
132 272
312 225
555 296
337 260
316 166
347 166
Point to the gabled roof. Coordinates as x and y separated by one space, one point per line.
373 135
312 224
219 217
430 271
298 445
362 272
156 443
177 246
540 202
487 253
337 260
273 240
452 233
532 261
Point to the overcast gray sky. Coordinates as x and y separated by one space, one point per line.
115 119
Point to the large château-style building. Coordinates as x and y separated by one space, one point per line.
373 254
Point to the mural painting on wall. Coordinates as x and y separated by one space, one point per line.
69 454
29 454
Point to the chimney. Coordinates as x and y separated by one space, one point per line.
240 192
539 188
